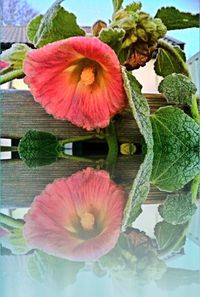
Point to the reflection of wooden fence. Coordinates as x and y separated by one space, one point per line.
20 113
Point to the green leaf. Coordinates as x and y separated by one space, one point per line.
176 149
177 88
166 63
175 19
117 4
38 148
53 271
177 208
113 37
170 238
139 106
15 55
56 24
141 184
32 27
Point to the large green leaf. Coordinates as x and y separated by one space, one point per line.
38 148
141 185
176 148
170 238
175 19
177 208
166 63
53 271
56 24
177 88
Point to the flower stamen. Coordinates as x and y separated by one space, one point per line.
88 75
87 221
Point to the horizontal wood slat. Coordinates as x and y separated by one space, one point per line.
19 113
21 184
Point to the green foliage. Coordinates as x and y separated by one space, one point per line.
175 19
55 25
15 241
113 37
166 63
170 238
38 148
117 4
53 271
176 149
177 88
15 55
177 208
141 113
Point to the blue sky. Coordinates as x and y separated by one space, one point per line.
88 11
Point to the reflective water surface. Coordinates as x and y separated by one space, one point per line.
72 242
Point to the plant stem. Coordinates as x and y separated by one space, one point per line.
81 138
11 75
111 138
11 222
8 149
77 158
162 44
195 187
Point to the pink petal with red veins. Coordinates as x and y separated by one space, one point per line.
54 76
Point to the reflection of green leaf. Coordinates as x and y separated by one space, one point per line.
113 37
175 19
141 113
177 88
52 270
170 238
56 24
15 242
177 208
166 63
175 277
38 148
176 149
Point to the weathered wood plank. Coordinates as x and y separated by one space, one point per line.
21 184
20 113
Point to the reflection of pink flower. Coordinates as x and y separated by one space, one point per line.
78 79
3 232
76 218
3 64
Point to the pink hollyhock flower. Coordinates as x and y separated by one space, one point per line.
3 64
77 218
78 79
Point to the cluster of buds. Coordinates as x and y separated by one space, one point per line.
142 34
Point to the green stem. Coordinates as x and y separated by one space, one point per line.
111 138
78 159
81 138
8 149
11 75
195 109
162 44
11 222
195 187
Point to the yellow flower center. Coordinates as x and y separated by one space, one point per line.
88 75
87 221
